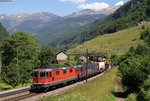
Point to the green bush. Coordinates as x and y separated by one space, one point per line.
144 94
131 97
11 75
145 35
115 59
19 57
143 26
46 56
134 71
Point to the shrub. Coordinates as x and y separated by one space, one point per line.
133 71
143 26
144 94
131 97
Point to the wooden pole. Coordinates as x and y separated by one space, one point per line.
17 57
1 52
0 62
86 63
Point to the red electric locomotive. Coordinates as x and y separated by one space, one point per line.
44 78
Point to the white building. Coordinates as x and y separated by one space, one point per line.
61 56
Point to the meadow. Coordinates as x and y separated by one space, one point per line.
115 43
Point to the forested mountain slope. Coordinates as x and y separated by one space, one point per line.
62 29
3 32
128 15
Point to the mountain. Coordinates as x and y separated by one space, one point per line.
47 27
72 23
89 12
128 15
29 23
3 32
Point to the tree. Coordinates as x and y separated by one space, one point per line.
11 74
115 59
144 94
134 71
46 56
145 35
73 60
142 50
135 67
22 50
3 32
25 71
131 49
20 46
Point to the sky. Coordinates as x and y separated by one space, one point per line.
58 7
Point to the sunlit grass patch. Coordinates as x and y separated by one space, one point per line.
4 87
115 43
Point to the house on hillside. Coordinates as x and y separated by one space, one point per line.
61 56
143 23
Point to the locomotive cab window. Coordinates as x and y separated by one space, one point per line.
64 71
35 74
70 70
57 72
50 74
43 74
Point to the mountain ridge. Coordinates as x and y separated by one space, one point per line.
128 15
69 24
11 22
48 27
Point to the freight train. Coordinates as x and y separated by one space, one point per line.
44 78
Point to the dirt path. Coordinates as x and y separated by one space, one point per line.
120 96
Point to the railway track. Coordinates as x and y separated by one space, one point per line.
17 98
26 95
17 95
13 92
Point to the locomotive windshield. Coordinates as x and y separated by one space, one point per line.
43 74
35 74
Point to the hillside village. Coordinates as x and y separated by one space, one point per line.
143 23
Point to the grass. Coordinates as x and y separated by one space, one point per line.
4 87
97 90
115 43
131 97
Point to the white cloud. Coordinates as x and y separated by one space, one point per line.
94 6
74 1
119 3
